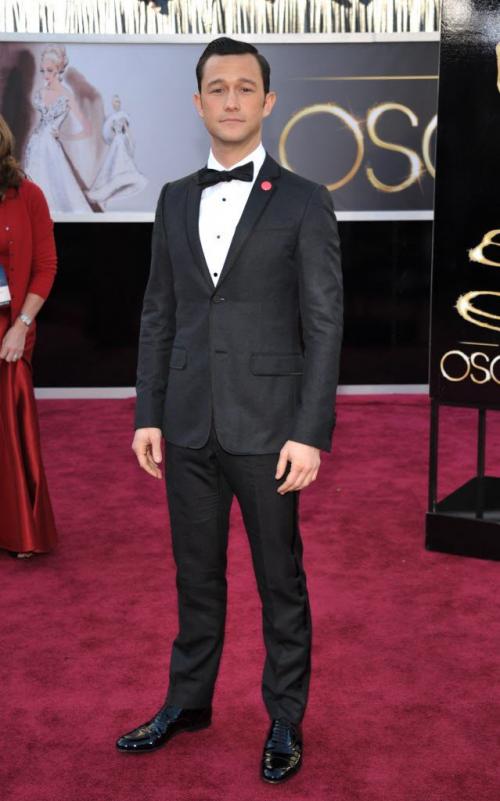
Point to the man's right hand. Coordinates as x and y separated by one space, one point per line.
147 447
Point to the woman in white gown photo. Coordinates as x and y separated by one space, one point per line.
118 175
46 161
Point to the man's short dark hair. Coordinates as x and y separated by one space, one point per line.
224 46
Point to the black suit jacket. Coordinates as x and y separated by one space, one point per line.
260 351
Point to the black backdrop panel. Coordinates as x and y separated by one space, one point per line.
88 329
465 336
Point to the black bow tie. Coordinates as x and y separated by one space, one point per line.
208 177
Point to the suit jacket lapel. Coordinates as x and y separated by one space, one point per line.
256 203
192 223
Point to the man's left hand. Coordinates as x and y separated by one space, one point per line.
305 461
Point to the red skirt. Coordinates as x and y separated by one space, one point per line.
26 517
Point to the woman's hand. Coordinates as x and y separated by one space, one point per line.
13 342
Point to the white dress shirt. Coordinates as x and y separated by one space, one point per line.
221 207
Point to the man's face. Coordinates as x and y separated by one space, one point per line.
232 102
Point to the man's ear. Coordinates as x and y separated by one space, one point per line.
269 102
198 104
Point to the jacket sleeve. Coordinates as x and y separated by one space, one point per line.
44 257
157 329
321 311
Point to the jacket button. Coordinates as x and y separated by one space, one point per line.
218 299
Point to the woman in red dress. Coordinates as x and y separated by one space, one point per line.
28 259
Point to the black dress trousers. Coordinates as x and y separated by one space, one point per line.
200 487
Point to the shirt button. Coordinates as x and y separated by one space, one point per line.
7 227
215 275
218 236
223 199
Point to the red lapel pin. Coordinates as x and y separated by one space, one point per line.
266 186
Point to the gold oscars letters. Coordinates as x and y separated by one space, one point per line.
417 164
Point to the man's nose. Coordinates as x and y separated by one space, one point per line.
232 100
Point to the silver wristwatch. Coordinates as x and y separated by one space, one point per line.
26 319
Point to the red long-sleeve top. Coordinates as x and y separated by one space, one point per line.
32 262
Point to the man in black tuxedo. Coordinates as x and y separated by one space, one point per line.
238 366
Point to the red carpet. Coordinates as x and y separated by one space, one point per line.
405 694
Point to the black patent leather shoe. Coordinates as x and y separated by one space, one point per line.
282 752
168 722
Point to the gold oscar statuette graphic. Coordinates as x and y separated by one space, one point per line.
415 169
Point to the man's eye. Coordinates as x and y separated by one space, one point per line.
215 91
